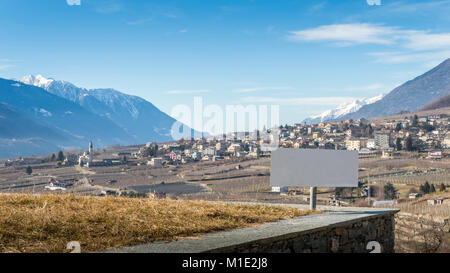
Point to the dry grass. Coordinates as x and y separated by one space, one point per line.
47 223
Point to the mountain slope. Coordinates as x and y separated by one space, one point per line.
135 115
15 124
21 135
76 124
342 110
440 103
410 96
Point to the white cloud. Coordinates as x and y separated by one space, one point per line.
411 45
257 89
73 2
364 33
428 58
321 101
346 34
183 30
179 92
427 41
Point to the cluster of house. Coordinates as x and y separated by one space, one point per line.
425 133
200 149
428 133
368 137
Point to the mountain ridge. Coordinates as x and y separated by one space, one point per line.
57 112
135 115
410 96
31 115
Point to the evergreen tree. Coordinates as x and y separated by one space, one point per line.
368 131
442 187
154 150
415 121
409 143
53 157
29 170
338 192
390 192
428 128
246 147
60 156
398 144
432 188
362 125
425 188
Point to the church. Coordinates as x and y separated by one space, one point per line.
87 157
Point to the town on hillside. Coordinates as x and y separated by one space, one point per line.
406 150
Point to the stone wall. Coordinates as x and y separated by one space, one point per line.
348 237
336 229
418 233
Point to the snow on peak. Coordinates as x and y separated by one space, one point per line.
344 109
38 80
374 99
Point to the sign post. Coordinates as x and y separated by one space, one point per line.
314 168
312 198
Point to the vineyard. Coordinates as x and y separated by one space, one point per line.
417 178
424 209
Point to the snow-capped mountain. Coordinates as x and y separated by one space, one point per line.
342 110
137 116
40 115
34 121
37 80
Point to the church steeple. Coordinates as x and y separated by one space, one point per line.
91 147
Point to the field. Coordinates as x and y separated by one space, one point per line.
229 180
46 223
243 179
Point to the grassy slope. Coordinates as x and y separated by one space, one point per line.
47 223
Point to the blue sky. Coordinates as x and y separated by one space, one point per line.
306 56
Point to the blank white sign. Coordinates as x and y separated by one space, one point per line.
314 168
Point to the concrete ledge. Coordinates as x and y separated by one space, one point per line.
334 230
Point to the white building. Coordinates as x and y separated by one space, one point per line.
446 142
353 144
434 154
155 162
382 140
233 148
371 144
86 158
